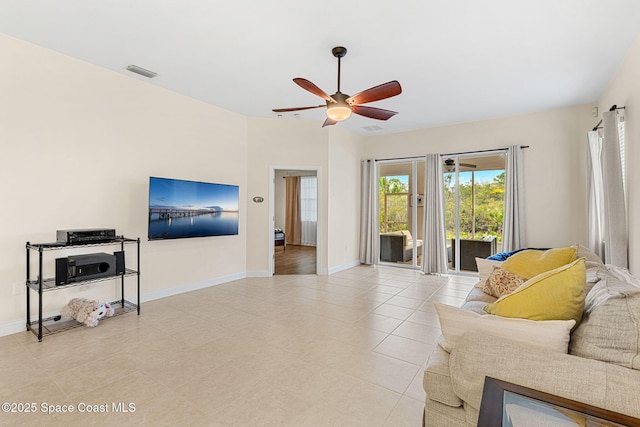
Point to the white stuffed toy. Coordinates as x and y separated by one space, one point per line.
86 311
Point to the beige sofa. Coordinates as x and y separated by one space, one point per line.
602 367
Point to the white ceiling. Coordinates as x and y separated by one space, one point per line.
457 60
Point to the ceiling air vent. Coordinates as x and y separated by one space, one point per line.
141 71
372 128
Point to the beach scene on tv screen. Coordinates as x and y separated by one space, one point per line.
182 209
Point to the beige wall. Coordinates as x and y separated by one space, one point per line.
304 144
78 146
555 171
281 144
624 90
345 152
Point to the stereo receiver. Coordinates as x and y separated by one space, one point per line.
87 235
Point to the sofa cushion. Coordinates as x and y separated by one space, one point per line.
610 328
476 300
502 282
455 322
477 294
530 263
437 378
554 295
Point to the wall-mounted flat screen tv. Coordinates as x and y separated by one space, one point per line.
181 209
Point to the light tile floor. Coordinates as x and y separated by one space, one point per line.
342 350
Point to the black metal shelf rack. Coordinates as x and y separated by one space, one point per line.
52 325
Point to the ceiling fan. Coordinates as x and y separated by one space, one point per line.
450 165
340 105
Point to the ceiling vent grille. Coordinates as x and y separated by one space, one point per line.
372 128
141 71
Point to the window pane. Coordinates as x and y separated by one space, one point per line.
308 198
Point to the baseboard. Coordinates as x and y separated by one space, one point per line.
258 273
180 289
13 327
16 326
338 268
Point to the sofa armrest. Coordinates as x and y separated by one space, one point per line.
596 383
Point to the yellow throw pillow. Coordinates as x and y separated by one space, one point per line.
532 262
553 295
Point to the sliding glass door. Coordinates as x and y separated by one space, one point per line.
401 211
474 207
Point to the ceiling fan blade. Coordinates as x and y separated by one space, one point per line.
329 122
308 86
373 113
376 93
285 110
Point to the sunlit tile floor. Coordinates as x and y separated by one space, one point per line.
342 350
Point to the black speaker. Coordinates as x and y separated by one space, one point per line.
62 272
84 267
120 266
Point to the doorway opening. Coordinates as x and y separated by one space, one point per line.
295 221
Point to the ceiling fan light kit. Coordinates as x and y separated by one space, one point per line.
340 106
339 110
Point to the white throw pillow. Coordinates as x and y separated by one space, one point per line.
485 268
549 334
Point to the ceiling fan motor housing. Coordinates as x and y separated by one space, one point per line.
339 51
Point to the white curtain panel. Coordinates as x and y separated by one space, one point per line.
595 190
309 209
434 249
513 229
369 221
615 224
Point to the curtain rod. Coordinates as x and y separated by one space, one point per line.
614 107
480 151
450 154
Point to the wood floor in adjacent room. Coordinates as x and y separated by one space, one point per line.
295 259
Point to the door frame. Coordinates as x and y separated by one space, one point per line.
272 212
